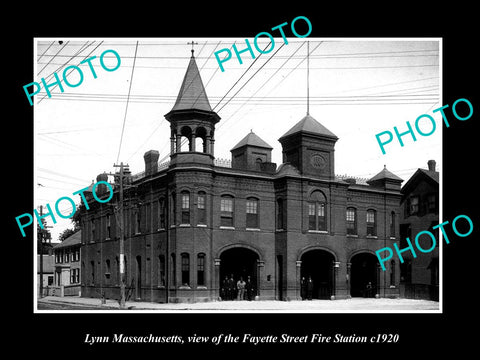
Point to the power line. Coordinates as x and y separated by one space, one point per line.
128 98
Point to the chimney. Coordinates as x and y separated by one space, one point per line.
431 165
102 188
151 162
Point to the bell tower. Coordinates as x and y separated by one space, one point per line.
310 147
192 121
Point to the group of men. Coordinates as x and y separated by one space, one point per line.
237 290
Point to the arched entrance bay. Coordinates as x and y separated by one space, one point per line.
364 275
318 264
239 262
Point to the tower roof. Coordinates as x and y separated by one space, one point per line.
192 94
309 125
385 174
252 139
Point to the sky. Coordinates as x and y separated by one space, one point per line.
357 88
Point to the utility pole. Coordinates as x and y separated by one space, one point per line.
122 239
41 234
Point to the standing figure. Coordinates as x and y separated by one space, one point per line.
303 288
309 288
232 288
241 289
369 290
224 289
249 288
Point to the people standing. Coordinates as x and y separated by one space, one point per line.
303 288
309 288
241 289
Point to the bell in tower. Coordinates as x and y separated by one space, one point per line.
192 121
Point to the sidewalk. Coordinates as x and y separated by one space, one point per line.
344 305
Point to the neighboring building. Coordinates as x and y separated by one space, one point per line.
420 199
48 275
192 221
67 266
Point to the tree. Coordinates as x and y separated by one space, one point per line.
67 232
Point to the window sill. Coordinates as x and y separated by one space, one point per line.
184 225
160 286
161 229
352 235
252 229
318 231
201 225
202 287
372 237
392 237
227 227
184 287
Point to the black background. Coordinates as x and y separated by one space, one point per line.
57 335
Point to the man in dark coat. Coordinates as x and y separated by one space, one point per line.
309 288
232 288
249 289
303 288
224 289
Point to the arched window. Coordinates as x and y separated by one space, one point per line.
226 211
392 224
280 215
201 269
173 209
161 270
317 218
351 218
161 213
252 213
185 197
185 269
371 222
201 140
201 208
186 139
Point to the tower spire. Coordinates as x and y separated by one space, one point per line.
192 43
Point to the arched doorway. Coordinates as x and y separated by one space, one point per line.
364 275
239 262
318 265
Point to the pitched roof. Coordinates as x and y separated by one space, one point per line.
385 174
252 139
309 125
192 93
418 176
73 239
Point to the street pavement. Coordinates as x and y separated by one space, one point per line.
74 303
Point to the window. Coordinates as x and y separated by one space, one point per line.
92 228
173 271
173 209
371 223
431 203
92 272
74 276
413 205
137 221
65 256
161 213
161 270
185 269
201 269
201 211
351 221
280 215
392 224
107 269
252 213
109 229
316 212
226 211
185 207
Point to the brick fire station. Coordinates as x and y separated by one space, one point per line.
193 220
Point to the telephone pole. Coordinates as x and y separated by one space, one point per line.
41 234
122 238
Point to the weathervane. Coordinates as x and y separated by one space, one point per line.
192 43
